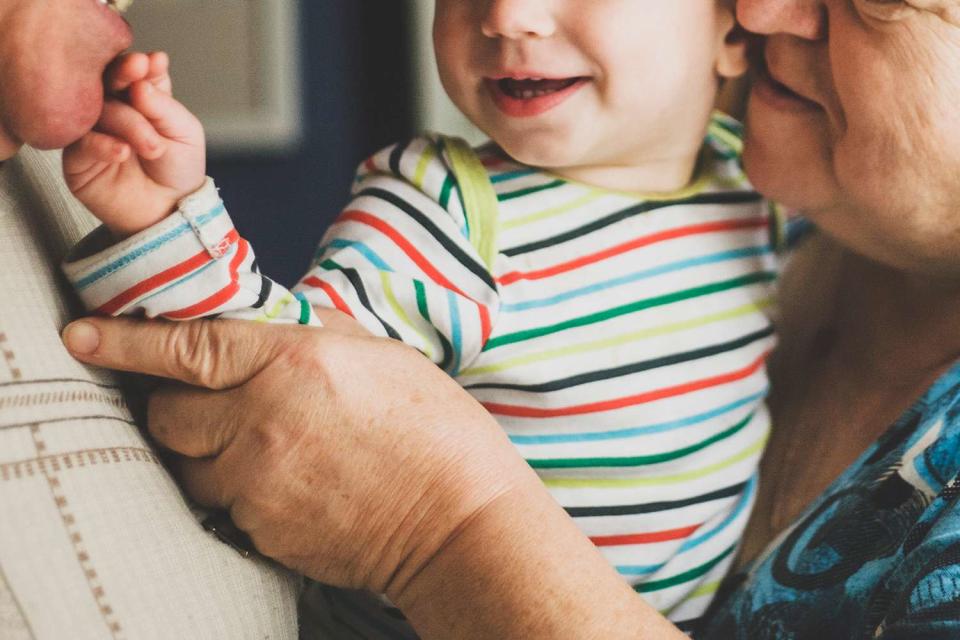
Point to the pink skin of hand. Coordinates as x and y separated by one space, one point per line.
146 152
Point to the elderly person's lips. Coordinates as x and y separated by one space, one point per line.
781 96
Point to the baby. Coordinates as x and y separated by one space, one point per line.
597 276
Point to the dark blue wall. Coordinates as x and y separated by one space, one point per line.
357 100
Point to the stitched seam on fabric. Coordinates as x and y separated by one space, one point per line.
60 397
73 460
22 425
59 381
9 357
145 250
97 590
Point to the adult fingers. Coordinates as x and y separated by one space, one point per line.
215 354
123 121
206 480
193 422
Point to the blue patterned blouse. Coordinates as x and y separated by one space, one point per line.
877 555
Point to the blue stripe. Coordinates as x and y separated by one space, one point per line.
456 332
203 219
741 507
363 249
637 431
510 175
639 569
634 277
147 248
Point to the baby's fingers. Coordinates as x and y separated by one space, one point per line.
89 156
122 121
159 73
169 117
125 70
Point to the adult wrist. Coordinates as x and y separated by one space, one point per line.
520 568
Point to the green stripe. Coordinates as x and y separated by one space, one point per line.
638 461
422 300
401 313
628 483
330 265
618 341
525 192
445 192
686 576
679 296
555 211
305 311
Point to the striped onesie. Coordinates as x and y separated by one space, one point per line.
619 339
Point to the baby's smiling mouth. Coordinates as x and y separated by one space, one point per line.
527 88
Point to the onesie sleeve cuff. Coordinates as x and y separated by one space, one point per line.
112 277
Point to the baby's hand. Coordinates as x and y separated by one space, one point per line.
146 152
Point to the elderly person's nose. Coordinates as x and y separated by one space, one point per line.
516 19
802 18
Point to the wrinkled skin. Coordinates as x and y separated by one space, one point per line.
54 53
874 154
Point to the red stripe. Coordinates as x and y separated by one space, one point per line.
338 302
418 258
486 327
670 234
220 298
159 280
645 538
619 403
370 164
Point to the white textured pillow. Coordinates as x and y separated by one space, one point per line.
96 540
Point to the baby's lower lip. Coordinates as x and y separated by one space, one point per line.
533 101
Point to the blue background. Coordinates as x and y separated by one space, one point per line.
357 99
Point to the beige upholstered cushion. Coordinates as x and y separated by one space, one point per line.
96 541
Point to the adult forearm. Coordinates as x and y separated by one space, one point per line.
522 569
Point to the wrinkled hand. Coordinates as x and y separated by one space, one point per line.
146 152
348 458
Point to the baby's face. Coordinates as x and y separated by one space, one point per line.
586 83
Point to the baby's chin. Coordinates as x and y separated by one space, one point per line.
548 153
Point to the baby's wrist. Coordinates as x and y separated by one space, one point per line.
152 211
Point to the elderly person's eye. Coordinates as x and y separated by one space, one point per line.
886 10
890 10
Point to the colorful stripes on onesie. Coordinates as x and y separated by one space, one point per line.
618 338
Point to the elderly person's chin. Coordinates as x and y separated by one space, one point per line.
54 125
52 59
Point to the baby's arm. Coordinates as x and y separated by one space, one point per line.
141 172
146 152
399 259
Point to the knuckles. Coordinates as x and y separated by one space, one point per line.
199 353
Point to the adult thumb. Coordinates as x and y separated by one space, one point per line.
213 354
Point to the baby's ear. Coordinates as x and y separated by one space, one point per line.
731 47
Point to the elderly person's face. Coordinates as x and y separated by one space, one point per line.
52 57
860 123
